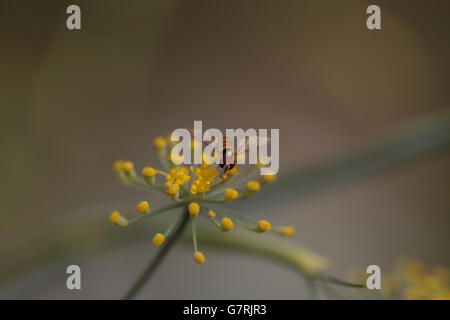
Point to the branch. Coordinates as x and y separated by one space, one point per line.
154 263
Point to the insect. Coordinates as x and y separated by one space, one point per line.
230 157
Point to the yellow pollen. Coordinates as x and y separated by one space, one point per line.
193 208
127 166
231 194
158 239
253 185
114 216
148 172
142 207
211 214
199 257
227 224
288 231
159 142
264 225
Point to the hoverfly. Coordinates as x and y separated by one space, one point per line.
230 157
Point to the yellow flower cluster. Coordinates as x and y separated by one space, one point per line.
207 177
412 280
176 178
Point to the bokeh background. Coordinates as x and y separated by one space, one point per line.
73 101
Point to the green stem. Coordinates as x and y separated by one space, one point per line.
140 183
154 212
194 236
151 268
273 247
339 282
223 212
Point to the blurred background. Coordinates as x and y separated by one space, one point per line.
74 101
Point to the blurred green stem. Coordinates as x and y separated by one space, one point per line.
416 138
273 247
154 263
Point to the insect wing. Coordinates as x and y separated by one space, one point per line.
250 142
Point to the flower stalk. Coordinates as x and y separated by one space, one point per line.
156 261
197 189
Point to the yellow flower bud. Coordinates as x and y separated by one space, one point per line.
160 142
173 188
193 189
231 194
288 231
142 207
263 226
127 166
117 219
253 186
211 214
194 209
148 172
114 216
269 178
227 224
158 239
117 165
199 257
